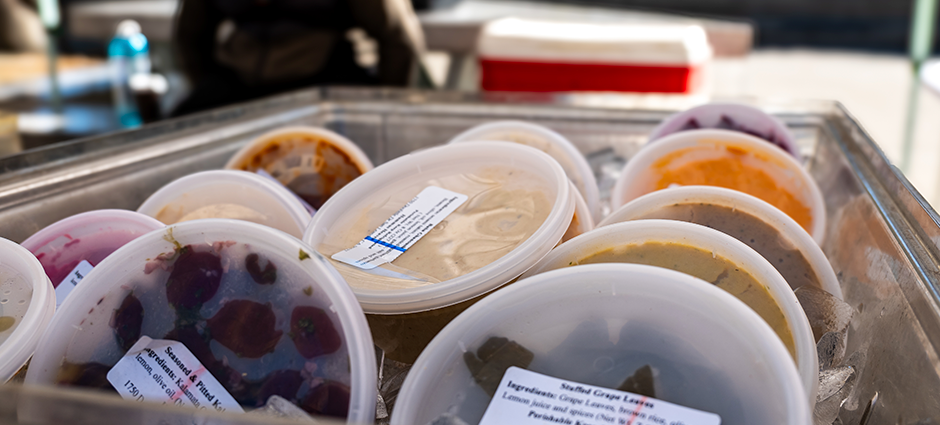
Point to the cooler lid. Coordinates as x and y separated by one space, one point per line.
550 41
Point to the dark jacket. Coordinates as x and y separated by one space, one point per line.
234 50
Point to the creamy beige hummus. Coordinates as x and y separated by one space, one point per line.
171 214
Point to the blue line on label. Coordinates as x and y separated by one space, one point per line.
385 244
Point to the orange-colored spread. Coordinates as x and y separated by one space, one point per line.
732 173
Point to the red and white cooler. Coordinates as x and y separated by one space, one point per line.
526 55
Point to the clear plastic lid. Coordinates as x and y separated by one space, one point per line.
196 283
598 324
518 207
27 303
312 162
228 194
90 236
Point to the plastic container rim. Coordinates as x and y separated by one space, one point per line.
105 217
258 143
22 342
651 152
780 128
173 190
749 204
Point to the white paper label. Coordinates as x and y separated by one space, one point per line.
68 284
529 398
166 372
403 229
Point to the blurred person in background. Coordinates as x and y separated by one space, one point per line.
20 27
237 50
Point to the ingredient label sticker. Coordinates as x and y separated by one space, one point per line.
403 229
529 398
68 284
166 372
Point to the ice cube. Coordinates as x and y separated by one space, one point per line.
447 419
834 386
830 349
391 376
825 312
280 407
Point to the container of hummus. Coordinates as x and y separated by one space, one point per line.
312 162
706 254
230 194
27 303
767 230
623 339
730 116
728 159
256 312
69 248
510 204
548 141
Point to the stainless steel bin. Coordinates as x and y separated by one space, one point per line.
882 238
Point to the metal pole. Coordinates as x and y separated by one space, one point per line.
921 43
55 96
50 17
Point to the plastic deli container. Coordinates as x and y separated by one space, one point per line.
582 221
228 194
63 246
727 159
707 254
529 55
548 141
27 303
260 311
767 230
730 116
518 205
596 327
312 162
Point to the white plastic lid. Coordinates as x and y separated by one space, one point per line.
735 251
739 117
90 236
548 141
26 298
548 41
596 324
246 196
679 149
791 232
375 196
81 332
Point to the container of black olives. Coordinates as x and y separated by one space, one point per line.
264 315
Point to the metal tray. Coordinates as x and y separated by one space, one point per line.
882 239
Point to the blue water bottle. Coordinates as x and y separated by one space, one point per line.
128 54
